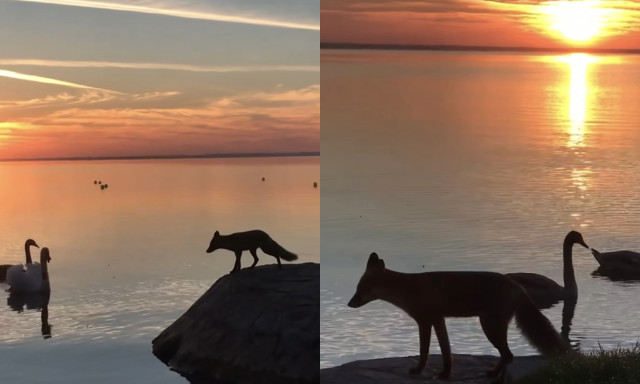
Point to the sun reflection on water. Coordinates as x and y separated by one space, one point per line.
577 131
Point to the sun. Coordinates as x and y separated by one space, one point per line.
578 21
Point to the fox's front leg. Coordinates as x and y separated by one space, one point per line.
255 257
424 328
445 347
236 266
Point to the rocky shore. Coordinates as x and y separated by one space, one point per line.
258 326
467 369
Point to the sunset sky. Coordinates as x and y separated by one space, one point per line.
158 77
522 23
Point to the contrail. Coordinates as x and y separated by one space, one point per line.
178 13
167 66
47 80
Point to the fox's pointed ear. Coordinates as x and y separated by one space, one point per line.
374 261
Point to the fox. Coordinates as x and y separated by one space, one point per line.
430 297
250 240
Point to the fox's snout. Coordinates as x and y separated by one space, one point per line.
356 301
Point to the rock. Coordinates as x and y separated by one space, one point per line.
466 369
257 326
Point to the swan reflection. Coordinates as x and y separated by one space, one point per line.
21 301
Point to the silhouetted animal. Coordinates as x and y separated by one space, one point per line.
251 241
545 292
430 297
33 279
8 269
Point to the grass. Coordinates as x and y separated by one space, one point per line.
618 366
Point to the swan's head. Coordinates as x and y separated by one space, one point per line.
44 254
574 237
213 245
31 243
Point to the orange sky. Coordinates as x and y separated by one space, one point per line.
82 78
526 23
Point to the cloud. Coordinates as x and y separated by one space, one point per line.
282 120
159 66
48 80
161 9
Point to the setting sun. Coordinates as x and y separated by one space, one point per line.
578 21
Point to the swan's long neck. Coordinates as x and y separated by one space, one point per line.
570 285
27 251
45 269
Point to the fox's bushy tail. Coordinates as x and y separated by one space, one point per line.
538 329
274 249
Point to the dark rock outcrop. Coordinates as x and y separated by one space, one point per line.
467 369
257 326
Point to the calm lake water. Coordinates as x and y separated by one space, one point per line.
467 161
129 260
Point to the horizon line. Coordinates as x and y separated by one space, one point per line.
166 157
452 47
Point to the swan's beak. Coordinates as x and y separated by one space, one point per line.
583 244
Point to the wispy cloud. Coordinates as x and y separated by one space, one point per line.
161 9
285 119
164 66
48 80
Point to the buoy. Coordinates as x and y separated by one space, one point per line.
263 179
315 184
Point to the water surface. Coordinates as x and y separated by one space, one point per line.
476 161
129 260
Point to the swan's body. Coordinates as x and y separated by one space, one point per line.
33 279
624 261
545 292
8 272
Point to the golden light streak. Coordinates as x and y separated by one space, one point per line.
165 66
578 95
114 6
47 80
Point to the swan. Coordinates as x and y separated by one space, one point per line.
33 279
7 269
545 292
623 261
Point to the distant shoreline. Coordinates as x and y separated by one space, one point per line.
168 157
418 47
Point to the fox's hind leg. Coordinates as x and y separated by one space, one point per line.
495 326
445 347
424 328
236 266
255 257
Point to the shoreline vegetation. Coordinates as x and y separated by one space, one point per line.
619 366
469 48
170 157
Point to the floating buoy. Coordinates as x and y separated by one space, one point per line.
102 187
315 184
95 181
263 179
99 182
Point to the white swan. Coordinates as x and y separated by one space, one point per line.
7 270
33 279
